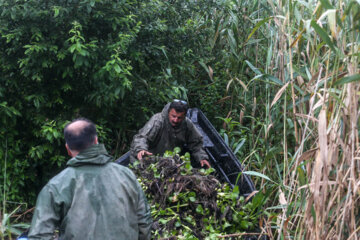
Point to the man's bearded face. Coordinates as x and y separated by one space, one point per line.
176 118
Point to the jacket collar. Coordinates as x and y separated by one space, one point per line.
93 155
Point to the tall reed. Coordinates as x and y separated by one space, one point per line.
315 52
304 92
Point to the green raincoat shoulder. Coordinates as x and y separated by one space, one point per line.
93 198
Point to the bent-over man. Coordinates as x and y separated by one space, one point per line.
93 198
167 130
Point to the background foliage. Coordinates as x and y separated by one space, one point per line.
279 79
116 62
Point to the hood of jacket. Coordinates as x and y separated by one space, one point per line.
165 111
95 154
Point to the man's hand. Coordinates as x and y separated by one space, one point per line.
142 153
205 162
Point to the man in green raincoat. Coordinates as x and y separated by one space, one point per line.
93 198
167 130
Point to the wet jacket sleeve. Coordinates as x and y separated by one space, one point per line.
147 135
46 216
195 143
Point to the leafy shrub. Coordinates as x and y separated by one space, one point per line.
115 62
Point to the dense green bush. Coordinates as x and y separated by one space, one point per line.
115 62
59 60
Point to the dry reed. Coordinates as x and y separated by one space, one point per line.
326 128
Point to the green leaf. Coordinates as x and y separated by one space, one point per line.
257 174
117 68
244 224
226 225
188 166
189 219
204 66
326 4
257 71
21 225
199 209
258 199
72 48
239 146
14 230
269 55
56 12
257 26
347 79
277 207
226 139
323 35
163 221
177 150
274 79
236 190
178 224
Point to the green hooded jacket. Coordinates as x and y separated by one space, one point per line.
93 198
158 135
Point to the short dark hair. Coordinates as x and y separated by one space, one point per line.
179 106
81 138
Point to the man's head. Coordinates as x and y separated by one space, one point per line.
177 112
80 134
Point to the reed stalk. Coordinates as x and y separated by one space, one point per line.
320 60
311 83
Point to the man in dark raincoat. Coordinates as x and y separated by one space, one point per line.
167 130
93 198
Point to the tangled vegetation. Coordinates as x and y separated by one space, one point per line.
190 203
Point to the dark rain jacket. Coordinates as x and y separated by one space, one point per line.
93 198
158 135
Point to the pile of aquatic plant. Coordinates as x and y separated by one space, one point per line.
191 203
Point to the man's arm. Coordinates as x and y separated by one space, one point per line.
146 137
195 145
46 216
